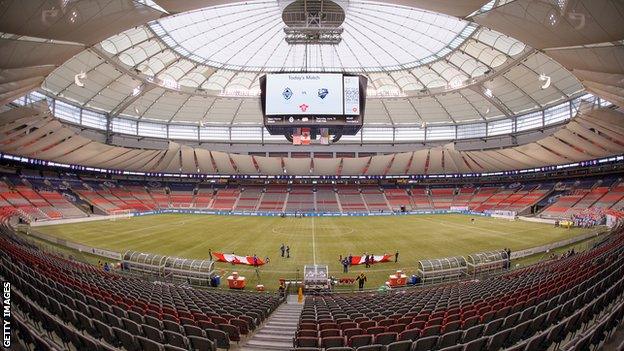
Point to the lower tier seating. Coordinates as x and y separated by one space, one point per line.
528 309
96 310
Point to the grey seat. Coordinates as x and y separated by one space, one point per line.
450 339
132 327
498 340
425 344
153 334
201 343
219 337
175 339
404 345
148 345
127 339
371 348
472 333
477 344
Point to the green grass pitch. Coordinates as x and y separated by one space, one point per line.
312 239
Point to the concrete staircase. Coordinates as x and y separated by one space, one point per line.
278 331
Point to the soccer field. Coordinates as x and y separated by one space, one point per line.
311 239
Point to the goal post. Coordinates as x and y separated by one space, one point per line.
115 215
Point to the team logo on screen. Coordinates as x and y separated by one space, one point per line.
303 107
322 93
287 93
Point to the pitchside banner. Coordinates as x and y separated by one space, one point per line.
307 214
234 259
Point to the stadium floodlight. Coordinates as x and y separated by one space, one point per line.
78 79
546 79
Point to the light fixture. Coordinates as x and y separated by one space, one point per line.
136 91
79 77
546 79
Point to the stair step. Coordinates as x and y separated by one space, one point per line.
277 333
272 331
276 345
283 330
272 337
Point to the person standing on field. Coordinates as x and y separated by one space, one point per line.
287 251
361 279
396 256
282 248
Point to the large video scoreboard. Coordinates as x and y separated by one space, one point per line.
333 101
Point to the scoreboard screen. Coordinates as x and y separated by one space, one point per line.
313 100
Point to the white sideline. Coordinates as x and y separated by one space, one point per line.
313 243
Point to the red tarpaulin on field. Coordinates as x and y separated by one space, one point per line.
361 259
248 260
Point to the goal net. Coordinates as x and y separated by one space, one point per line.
120 214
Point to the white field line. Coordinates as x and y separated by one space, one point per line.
313 242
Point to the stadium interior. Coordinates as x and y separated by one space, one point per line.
312 175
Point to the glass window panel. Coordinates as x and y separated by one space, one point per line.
182 132
500 127
529 121
36 96
441 133
21 101
124 126
269 137
94 120
409 134
67 112
377 134
155 130
476 130
214 133
556 114
247 133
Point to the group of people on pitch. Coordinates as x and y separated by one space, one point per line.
285 249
